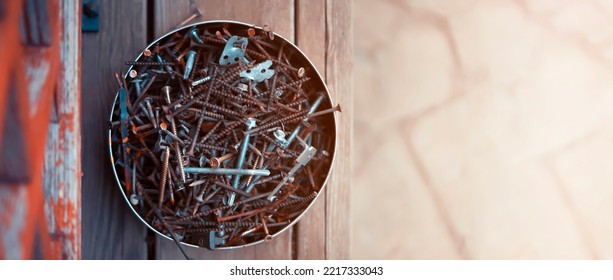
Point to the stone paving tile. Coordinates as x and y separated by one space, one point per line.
408 71
495 115
396 218
500 205
586 174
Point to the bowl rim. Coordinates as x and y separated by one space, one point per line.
327 92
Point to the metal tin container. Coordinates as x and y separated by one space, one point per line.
298 58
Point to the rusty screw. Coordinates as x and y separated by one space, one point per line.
216 161
192 149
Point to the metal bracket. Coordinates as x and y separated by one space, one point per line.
215 240
259 72
91 13
231 53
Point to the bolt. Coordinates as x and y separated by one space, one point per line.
226 171
191 56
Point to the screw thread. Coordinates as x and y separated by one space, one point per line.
290 118
227 130
294 83
215 127
213 40
298 202
176 48
200 230
207 146
212 115
220 109
164 176
225 224
235 72
148 63
296 103
237 98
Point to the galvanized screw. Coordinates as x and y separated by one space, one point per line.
250 123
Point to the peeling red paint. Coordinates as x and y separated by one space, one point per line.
52 206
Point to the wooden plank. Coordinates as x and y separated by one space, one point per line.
62 171
339 36
33 77
311 39
280 248
110 230
279 14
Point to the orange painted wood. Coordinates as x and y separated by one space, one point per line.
62 172
24 231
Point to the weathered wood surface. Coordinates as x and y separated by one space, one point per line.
339 36
33 222
311 39
110 229
62 171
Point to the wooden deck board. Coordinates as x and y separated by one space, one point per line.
311 39
110 230
338 78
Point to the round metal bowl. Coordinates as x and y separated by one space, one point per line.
297 57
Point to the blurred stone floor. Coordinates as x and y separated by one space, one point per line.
483 129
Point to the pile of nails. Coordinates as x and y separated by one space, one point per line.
221 136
